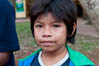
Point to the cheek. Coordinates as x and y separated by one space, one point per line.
61 35
36 34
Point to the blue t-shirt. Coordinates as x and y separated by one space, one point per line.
8 36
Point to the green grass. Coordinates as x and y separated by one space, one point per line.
86 43
24 34
83 43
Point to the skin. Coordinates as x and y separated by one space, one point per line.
4 57
50 35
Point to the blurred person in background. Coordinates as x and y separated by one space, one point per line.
8 37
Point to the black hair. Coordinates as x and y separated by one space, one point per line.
62 9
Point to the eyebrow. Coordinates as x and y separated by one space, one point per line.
56 21
38 21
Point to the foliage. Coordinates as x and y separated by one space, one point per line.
24 34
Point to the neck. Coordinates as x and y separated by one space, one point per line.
55 55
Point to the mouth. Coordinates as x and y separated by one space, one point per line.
47 43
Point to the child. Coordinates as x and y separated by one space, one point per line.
53 25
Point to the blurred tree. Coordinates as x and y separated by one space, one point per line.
92 9
31 2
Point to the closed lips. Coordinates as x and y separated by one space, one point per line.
47 42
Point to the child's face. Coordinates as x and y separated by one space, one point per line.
49 33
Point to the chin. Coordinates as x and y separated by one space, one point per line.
49 50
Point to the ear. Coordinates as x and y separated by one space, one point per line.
74 28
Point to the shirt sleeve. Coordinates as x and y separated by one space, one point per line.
8 36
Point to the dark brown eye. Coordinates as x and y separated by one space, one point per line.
39 26
56 25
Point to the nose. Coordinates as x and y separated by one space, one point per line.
47 32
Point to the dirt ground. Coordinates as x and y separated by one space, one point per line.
94 56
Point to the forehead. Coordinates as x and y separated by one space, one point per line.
49 17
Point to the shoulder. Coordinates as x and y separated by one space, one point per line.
28 59
78 58
5 6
